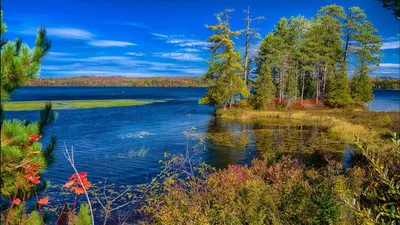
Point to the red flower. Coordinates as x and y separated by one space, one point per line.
44 201
16 201
76 185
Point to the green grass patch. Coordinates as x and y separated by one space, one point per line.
73 104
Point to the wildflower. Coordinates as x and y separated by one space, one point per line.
44 201
75 183
16 201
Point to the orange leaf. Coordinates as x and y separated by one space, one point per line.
17 201
44 201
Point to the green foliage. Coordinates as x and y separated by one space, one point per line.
361 86
386 83
14 156
392 5
19 64
308 58
224 66
22 158
83 217
383 191
264 89
339 92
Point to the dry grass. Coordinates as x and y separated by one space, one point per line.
343 124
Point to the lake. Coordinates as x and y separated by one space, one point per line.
107 141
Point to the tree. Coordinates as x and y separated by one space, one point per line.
392 5
327 35
22 156
19 64
250 33
367 53
352 25
224 66
263 87
339 92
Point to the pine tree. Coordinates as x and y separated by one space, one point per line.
225 66
367 53
22 156
352 25
327 34
264 89
338 94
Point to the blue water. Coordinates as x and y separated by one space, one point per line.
385 100
105 140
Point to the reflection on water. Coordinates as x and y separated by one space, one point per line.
231 142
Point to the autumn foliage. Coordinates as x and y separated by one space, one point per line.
118 81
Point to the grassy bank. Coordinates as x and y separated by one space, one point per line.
344 124
73 104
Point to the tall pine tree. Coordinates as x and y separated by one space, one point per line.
225 65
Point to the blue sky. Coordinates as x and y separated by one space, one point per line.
160 37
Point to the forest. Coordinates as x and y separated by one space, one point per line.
300 59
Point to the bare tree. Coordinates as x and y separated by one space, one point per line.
250 33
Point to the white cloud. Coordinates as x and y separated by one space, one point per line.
110 43
181 40
387 69
70 33
391 45
391 38
116 66
135 53
57 54
133 24
191 50
179 56
389 65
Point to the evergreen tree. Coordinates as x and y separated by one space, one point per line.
264 89
352 25
339 92
327 35
225 66
22 156
393 6
367 53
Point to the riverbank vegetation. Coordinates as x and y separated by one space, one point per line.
73 104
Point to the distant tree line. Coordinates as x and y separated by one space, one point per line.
299 59
386 84
121 81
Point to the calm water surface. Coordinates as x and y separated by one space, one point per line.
105 139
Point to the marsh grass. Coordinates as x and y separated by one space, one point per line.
342 124
71 104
